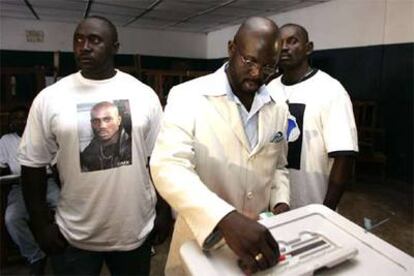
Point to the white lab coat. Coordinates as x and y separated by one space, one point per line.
202 163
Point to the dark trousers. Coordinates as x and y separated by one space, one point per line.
75 261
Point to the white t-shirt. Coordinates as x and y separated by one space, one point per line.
323 111
104 208
9 144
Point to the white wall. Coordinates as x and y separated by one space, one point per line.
333 24
339 24
58 37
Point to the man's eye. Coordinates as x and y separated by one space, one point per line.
95 40
248 61
293 41
79 39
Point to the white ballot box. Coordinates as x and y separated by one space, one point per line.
313 240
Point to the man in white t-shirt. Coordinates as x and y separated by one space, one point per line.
320 162
16 216
106 214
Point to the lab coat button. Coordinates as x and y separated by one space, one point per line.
249 195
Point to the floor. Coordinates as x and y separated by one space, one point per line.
389 203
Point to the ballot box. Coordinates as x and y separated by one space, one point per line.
313 240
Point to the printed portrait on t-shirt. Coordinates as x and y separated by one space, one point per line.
104 130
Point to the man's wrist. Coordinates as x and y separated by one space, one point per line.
221 225
280 208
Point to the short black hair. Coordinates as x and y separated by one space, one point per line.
300 28
111 25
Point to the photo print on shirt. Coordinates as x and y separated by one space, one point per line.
104 130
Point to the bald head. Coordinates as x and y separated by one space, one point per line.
264 30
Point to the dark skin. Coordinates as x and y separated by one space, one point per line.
46 232
296 50
94 45
341 174
255 41
294 61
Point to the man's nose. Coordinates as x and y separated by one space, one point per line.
256 70
102 124
284 45
86 45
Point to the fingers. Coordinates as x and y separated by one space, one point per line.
269 258
274 246
263 258
249 240
268 252
248 264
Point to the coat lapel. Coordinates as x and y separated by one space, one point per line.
230 114
265 121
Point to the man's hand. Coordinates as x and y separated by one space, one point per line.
250 241
280 208
46 232
50 239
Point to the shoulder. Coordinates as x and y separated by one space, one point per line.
275 88
192 89
67 81
275 83
198 85
130 80
61 86
8 137
327 87
327 80
54 96
140 93
134 84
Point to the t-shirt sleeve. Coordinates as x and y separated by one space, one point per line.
155 124
3 153
339 130
38 146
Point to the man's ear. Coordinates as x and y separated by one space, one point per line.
116 47
309 48
231 48
278 50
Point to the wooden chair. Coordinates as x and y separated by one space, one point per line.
370 138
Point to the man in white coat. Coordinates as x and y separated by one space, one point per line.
220 157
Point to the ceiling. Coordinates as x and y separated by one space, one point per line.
200 16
